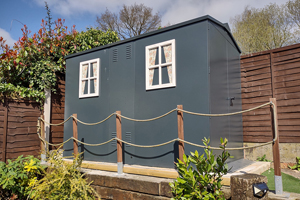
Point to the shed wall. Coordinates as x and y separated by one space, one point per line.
122 87
225 83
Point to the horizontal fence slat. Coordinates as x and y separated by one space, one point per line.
23 144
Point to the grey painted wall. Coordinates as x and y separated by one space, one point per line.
207 70
225 84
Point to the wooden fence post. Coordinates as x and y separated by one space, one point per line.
276 152
119 143
5 126
42 133
75 135
180 132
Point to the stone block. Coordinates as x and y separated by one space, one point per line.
241 186
113 193
130 183
165 189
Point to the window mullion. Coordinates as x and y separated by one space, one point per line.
88 80
159 63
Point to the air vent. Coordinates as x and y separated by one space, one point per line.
114 142
115 55
128 51
128 138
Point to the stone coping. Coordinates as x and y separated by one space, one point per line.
255 168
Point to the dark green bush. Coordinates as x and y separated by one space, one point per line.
201 175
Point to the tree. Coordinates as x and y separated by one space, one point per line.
131 21
293 9
31 64
263 29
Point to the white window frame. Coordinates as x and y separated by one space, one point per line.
160 65
97 60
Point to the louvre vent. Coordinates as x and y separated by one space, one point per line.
128 51
115 55
128 138
114 142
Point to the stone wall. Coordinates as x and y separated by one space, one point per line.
110 185
288 152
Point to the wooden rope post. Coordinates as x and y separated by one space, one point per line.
5 126
119 144
75 134
180 132
42 133
276 152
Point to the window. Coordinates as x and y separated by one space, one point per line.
89 78
160 65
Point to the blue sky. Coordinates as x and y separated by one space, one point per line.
82 13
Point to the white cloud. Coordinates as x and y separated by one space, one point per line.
173 11
182 10
6 36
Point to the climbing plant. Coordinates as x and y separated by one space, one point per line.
34 59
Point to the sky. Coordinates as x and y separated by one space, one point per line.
83 13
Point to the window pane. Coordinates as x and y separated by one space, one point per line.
153 57
93 70
84 87
155 77
164 75
166 53
92 86
84 72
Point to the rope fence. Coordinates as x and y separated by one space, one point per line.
180 138
156 118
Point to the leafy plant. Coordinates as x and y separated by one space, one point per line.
18 176
63 181
31 64
297 165
201 175
263 159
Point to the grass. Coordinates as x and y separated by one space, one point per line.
290 183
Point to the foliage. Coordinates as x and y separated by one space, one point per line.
297 165
18 176
17 91
263 159
32 62
201 175
92 38
263 29
293 9
63 181
131 21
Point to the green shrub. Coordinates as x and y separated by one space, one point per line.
63 181
201 175
297 165
263 159
18 176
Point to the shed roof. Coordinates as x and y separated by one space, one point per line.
196 20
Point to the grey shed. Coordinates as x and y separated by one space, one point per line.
195 64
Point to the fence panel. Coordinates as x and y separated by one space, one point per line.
21 137
274 73
57 110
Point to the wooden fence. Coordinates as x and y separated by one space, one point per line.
18 128
18 124
57 110
274 73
